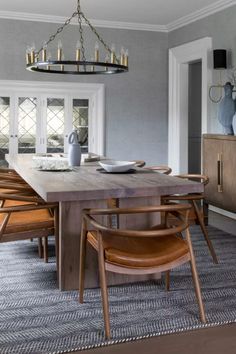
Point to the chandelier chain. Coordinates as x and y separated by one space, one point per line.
59 30
97 35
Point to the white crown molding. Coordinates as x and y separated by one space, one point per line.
197 15
183 21
24 16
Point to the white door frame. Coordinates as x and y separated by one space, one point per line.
179 59
94 92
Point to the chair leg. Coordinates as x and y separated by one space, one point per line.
205 233
195 278
40 247
45 249
103 284
83 244
167 276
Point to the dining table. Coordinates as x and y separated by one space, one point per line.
86 186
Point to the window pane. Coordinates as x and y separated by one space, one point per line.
4 128
55 125
80 121
27 124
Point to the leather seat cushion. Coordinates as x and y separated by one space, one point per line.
26 221
137 252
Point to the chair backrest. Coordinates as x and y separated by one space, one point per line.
25 205
178 210
166 170
195 177
139 163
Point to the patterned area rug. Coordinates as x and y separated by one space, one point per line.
35 317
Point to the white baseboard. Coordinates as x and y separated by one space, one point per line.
223 212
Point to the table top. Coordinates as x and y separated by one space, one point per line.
86 183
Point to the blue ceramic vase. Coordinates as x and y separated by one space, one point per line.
226 109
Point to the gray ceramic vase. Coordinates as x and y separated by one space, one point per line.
226 109
74 149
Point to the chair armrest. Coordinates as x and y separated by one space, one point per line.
146 209
23 198
29 207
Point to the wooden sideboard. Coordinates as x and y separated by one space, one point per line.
219 164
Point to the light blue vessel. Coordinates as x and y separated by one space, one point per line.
226 109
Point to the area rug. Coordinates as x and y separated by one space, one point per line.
35 317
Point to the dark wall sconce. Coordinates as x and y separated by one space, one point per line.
219 63
219 59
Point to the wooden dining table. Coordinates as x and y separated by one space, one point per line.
86 187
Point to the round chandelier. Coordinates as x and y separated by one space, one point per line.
42 61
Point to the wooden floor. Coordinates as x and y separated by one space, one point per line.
217 340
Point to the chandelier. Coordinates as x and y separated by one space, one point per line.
42 60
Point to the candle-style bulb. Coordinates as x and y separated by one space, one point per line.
113 55
96 51
92 66
78 45
122 55
44 51
126 60
62 66
49 58
78 49
27 55
59 50
59 44
32 53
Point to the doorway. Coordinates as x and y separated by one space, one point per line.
194 117
178 135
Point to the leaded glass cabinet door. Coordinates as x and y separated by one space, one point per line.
4 128
55 125
81 121
26 125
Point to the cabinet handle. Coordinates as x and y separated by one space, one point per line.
220 173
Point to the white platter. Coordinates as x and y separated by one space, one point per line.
113 166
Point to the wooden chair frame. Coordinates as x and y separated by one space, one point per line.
88 221
166 170
193 198
35 203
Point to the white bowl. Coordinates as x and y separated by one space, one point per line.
117 166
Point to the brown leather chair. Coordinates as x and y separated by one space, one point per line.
26 217
196 213
12 183
166 170
137 252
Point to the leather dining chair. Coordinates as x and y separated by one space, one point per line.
137 251
26 217
166 170
12 184
196 215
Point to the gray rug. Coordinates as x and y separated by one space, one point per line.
35 317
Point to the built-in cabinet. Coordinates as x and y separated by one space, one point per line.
219 164
38 117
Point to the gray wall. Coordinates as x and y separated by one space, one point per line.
221 27
136 102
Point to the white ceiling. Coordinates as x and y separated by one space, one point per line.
151 12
